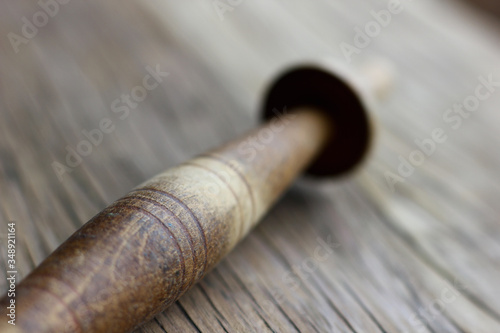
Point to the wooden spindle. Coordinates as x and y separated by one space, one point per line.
144 251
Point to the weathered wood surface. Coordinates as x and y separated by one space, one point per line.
341 256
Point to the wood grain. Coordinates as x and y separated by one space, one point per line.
423 258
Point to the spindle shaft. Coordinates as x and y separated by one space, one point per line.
145 250
140 254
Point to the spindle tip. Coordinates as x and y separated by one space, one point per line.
346 96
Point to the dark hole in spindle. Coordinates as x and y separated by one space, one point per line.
315 87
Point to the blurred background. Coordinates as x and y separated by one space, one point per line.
96 97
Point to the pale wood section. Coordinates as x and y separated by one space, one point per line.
424 258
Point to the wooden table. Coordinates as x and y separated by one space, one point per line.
349 255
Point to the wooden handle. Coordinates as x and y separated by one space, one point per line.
140 254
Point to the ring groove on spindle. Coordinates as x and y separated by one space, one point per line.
129 205
66 308
221 160
190 213
183 230
59 282
236 198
